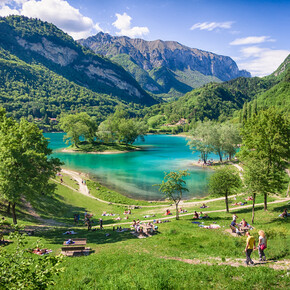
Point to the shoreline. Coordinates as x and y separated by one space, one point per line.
67 150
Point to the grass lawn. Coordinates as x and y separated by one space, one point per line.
171 259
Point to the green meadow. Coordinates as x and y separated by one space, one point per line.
179 255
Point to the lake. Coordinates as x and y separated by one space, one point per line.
134 174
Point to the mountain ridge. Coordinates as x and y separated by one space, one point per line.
177 58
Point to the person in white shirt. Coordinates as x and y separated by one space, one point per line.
262 245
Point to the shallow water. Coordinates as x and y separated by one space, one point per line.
134 173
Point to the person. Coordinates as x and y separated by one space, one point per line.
88 223
76 218
233 224
284 213
250 246
101 224
196 216
262 245
235 217
244 223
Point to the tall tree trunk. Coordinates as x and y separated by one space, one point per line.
265 201
227 202
221 157
14 213
253 208
9 208
177 213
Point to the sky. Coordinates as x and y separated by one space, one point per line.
255 33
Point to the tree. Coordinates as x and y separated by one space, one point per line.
255 179
230 138
78 125
223 182
129 130
21 270
200 140
266 139
172 187
25 165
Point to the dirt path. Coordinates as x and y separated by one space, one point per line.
276 265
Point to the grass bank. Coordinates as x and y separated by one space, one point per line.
97 147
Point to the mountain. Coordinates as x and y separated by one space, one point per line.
279 94
164 67
36 42
221 101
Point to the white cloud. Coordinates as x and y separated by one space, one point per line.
261 61
58 12
6 10
251 40
123 23
209 26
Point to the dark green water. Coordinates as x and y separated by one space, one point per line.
134 173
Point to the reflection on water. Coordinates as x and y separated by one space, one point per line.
135 173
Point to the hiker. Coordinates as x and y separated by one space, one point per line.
250 246
262 245
101 224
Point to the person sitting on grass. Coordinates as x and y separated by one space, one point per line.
284 213
234 228
204 206
195 216
168 212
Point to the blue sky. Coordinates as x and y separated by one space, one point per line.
254 33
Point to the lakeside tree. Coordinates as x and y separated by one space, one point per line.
266 140
200 140
219 138
78 125
173 186
230 138
224 182
25 165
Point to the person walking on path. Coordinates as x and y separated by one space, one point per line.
262 245
101 224
250 246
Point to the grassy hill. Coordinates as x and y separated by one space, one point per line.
180 255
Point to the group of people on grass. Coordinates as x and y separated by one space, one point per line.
200 215
239 226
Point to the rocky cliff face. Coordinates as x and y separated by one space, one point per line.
169 54
57 51
167 68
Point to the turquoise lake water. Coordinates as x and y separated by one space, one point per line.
134 173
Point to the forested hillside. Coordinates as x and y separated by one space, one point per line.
220 101
32 90
51 68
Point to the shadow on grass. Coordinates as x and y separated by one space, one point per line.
54 207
